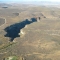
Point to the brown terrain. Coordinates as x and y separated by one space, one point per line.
29 32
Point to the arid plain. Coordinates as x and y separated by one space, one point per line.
30 32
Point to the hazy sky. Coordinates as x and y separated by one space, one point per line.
27 0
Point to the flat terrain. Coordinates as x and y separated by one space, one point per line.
32 39
2 21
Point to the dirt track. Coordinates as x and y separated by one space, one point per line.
2 21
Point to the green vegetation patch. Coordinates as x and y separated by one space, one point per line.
11 58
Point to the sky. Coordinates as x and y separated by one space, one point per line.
28 0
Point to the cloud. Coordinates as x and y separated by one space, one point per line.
28 0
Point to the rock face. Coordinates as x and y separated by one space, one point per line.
38 19
22 32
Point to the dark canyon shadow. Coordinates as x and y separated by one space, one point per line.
14 30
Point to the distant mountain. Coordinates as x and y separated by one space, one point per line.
33 2
44 3
4 4
41 2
